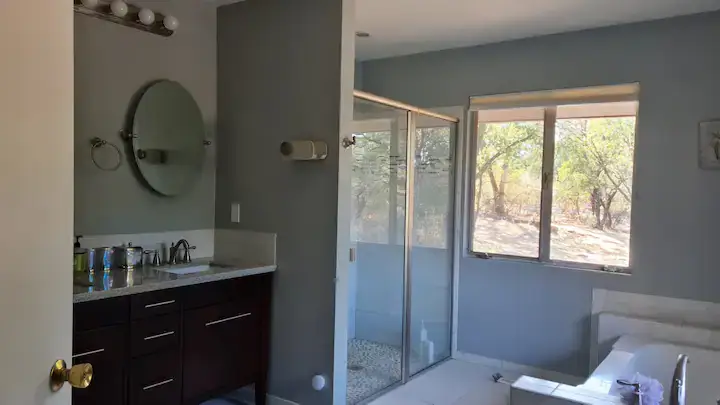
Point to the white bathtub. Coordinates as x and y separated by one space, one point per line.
657 360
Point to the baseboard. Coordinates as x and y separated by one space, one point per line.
248 395
502 365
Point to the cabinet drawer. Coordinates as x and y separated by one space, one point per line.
154 303
206 294
154 334
156 379
105 349
241 289
100 313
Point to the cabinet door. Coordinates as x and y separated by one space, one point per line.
106 350
221 350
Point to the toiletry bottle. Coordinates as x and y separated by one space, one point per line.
424 349
80 256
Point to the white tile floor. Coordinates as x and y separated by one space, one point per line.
454 382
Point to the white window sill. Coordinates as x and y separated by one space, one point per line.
594 268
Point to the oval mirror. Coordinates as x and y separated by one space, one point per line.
168 138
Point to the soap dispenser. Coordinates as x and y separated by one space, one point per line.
80 256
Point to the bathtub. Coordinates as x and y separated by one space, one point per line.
657 360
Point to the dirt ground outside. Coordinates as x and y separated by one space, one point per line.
569 242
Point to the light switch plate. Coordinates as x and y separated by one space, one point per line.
235 212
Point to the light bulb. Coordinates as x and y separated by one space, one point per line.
171 22
91 4
146 16
119 8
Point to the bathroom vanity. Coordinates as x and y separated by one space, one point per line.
160 334
159 338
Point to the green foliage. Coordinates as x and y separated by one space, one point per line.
378 182
370 184
509 167
593 169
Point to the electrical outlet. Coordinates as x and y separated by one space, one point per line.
235 212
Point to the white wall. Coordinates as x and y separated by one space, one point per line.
36 179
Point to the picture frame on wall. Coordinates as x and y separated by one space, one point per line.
709 145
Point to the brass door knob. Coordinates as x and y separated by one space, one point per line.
79 375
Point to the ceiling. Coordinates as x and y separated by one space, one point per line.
402 27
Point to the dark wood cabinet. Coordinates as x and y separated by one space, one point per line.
154 334
221 350
155 303
177 346
106 350
156 379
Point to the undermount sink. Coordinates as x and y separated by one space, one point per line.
186 270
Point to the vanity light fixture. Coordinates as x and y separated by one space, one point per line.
171 22
119 8
120 12
146 16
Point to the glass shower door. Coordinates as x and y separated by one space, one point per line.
379 175
431 244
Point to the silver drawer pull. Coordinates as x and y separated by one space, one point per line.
232 318
159 304
159 335
151 386
87 353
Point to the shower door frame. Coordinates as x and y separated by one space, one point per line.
411 114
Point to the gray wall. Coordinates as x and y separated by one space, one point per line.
111 63
539 315
281 66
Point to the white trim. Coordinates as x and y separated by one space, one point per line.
460 209
510 367
337 377
617 99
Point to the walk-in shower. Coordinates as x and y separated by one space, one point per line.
403 179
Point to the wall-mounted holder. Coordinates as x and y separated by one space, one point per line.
97 143
128 15
304 150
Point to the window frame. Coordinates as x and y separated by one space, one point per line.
547 185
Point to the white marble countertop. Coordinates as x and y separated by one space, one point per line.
115 283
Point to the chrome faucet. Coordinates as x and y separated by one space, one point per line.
637 392
677 392
175 249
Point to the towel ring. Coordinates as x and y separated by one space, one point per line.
98 143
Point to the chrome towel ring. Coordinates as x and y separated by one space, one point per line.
97 143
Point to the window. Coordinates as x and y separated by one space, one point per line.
552 176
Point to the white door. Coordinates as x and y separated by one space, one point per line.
36 197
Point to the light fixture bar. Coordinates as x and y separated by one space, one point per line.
163 25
